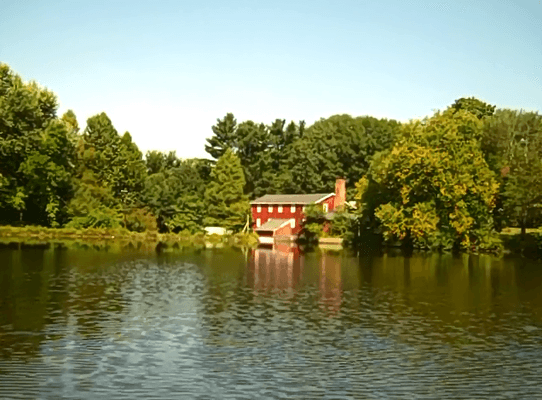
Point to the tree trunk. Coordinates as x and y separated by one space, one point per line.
524 224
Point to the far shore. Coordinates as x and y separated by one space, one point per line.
529 245
107 236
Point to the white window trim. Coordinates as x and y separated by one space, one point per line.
280 209
269 208
293 223
292 209
326 207
258 222
303 208
259 209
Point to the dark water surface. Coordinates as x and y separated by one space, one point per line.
226 323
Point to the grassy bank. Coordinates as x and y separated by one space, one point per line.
123 238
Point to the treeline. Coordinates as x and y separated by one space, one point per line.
451 180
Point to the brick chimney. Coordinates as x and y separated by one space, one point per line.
340 192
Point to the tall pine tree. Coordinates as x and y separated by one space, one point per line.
225 136
227 205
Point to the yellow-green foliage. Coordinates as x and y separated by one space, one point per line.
437 186
140 220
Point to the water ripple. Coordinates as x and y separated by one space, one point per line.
206 325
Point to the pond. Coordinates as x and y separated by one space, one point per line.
267 323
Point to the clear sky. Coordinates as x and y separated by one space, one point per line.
166 70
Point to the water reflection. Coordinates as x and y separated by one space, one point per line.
275 267
268 322
330 283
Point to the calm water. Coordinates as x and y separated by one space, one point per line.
225 323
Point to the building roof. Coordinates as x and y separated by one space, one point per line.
274 224
292 198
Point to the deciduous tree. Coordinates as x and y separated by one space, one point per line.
512 144
35 153
437 188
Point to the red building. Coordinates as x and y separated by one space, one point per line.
276 215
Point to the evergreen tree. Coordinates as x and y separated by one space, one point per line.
94 205
114 160
157 161
131 172
225 136
336 146
252 149
227 205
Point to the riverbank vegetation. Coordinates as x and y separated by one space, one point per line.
453 180
105 237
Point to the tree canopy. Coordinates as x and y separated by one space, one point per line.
450 180
36 155
436 187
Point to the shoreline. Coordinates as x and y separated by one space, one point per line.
529 246
126 239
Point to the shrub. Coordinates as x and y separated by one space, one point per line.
140 220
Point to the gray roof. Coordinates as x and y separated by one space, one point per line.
291 198
273 224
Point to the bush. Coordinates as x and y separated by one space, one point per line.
99 218
140 220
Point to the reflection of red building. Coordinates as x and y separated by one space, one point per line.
330 282
277 267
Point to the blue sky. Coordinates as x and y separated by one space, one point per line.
165 71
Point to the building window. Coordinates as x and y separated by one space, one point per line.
270 209
293 223
292 209
280 209
325 207
303 208
258 222
259 209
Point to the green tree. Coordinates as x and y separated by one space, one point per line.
474 106
157 161
131 172
160 195
35 153
113 159
175 193
70 120
340 145
512 144
313 225
437 190
94 205
224 136
227 205
253 143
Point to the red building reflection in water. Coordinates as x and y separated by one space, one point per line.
275 267
330 283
